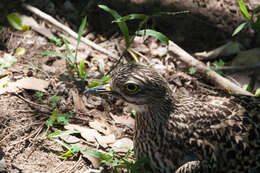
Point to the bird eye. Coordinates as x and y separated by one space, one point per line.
131 88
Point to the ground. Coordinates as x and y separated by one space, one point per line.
23 113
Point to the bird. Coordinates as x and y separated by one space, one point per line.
178 133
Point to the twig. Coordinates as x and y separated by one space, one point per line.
68 30
75 165
214 77
32 103
29 136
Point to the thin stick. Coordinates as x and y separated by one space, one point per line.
214 77
32 103
68 30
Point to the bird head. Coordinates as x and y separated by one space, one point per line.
136 84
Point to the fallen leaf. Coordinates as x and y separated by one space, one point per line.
25 83
95 161
32 84
92 135
126 120
123 145
70 139
78 103
30 21
101 127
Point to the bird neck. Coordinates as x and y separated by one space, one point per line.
156 114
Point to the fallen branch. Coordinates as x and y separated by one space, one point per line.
68 30
213 77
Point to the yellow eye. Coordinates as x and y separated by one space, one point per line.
131 88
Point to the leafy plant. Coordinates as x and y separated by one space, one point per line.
252 20
39 94
72 149
192 70
54 100
219 63
116 162
58 118
63 118
69 57
124 28
104 80
56 41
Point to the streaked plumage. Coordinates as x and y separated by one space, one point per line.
222 132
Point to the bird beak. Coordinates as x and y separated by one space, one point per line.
103 89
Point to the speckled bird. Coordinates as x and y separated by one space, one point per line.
183 134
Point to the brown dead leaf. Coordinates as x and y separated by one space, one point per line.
123 145
95 161
70 139
25 83
92 135
100 126
78 103
30 21
125 120
32 84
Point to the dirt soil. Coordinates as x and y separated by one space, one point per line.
104 121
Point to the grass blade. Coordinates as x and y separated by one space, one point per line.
131 17
61 55
61 133
239 28
122 25
243 9
164 39
81 29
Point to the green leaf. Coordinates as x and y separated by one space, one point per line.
131 17
55 98
243 9
216 70
82 72
220 63
257 92
69 51
164 39
81 29
56 41
122 25
73 149
15 21
39 94
192 70
66 155
100 155
25 28
63 118
52 118
102 81
61 133
61 55
247 87
239 28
